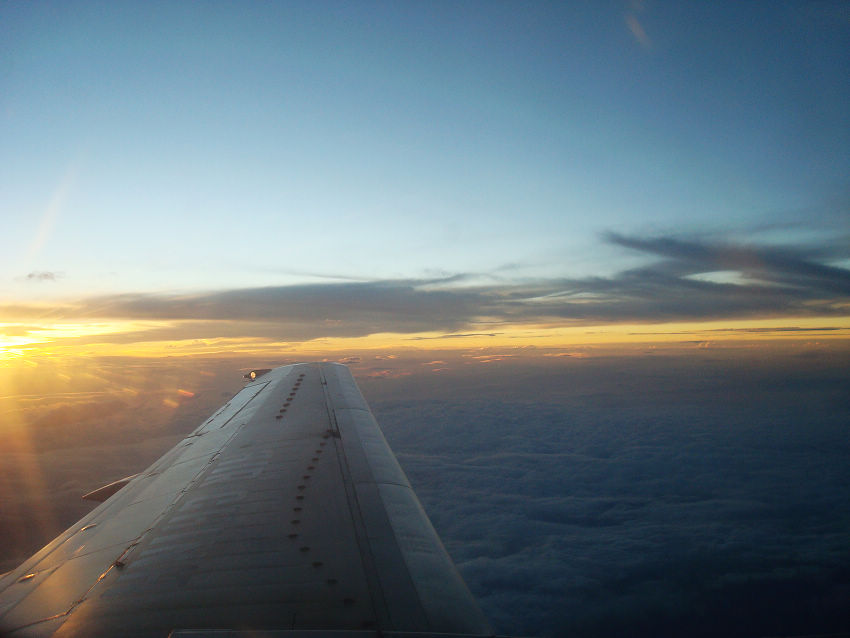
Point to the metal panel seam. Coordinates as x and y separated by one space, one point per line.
376 592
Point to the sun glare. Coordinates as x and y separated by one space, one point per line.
138 339
20 340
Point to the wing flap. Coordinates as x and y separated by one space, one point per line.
393 516
103 493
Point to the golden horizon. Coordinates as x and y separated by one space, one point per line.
149 339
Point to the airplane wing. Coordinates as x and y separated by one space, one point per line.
284 511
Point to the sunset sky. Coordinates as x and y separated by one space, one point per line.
588 261
227 177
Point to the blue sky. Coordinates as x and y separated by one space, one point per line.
158 147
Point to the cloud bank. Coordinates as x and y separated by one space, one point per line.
683 496
683 280
703 494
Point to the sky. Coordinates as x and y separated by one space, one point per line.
297 171
589 263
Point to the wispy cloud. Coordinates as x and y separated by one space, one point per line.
635 26
458 335
754 330
638 31
43 275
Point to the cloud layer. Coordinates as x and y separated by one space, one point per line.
690 496
683 279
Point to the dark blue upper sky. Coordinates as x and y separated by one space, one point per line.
162 146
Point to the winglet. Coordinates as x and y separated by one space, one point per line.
103 493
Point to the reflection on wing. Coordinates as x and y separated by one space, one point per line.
103 493
285 510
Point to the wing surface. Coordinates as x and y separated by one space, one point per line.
284 511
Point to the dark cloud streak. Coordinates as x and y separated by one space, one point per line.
773 281
779 265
